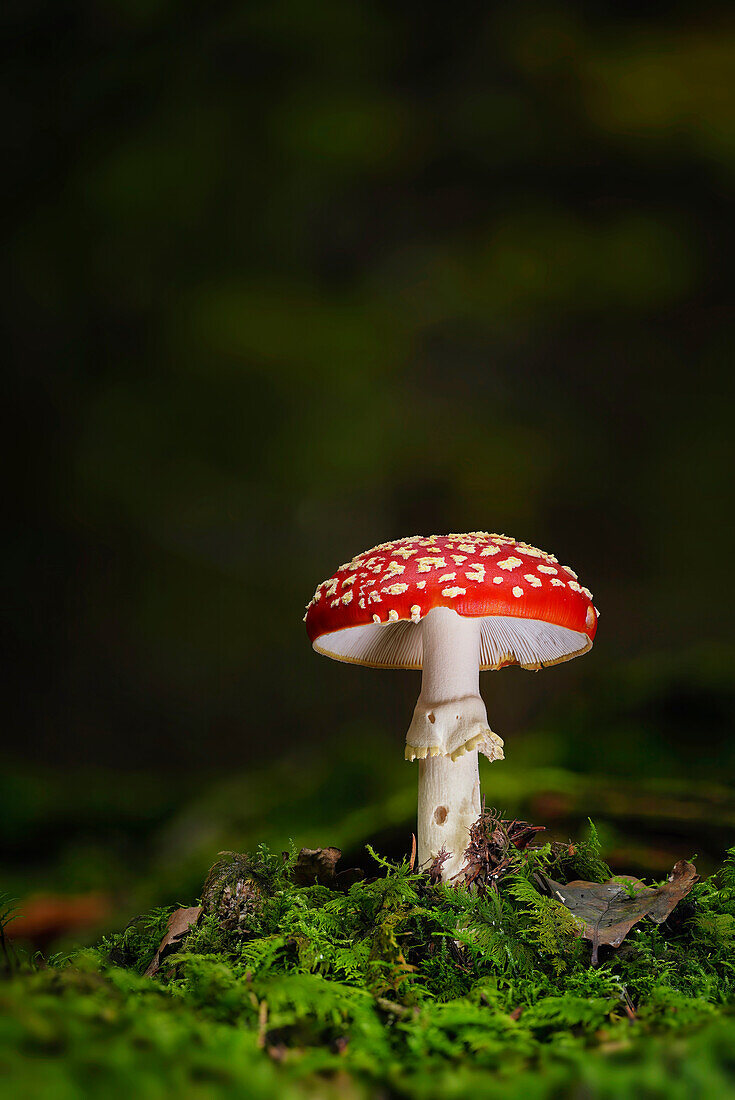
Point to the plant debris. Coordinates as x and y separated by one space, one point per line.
316 865
319 866
179 924
608 910
493 845
435 867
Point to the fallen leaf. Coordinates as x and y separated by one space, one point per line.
319 865
179 923
607 911
315 865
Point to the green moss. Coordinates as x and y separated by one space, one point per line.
391 987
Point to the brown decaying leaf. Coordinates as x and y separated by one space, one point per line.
179 923
315 865
319 865
607 911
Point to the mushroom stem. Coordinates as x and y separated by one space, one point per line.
449 723
449 804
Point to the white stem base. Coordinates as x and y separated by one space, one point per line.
449 804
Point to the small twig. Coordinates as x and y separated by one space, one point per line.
628 1005
262 1023
392 1007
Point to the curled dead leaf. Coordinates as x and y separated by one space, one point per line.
607 911
315 865
179 923
319 866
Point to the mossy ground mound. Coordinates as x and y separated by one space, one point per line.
390 986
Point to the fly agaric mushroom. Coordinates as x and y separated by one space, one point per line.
451 605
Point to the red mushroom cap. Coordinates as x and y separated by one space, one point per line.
533 610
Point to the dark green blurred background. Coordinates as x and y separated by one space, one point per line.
288 279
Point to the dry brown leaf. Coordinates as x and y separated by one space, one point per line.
607 911
319 865
179 923
316 865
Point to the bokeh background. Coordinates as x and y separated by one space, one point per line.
288 279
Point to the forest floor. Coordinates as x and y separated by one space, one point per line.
542 976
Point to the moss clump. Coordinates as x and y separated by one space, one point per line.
392 986
233 891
